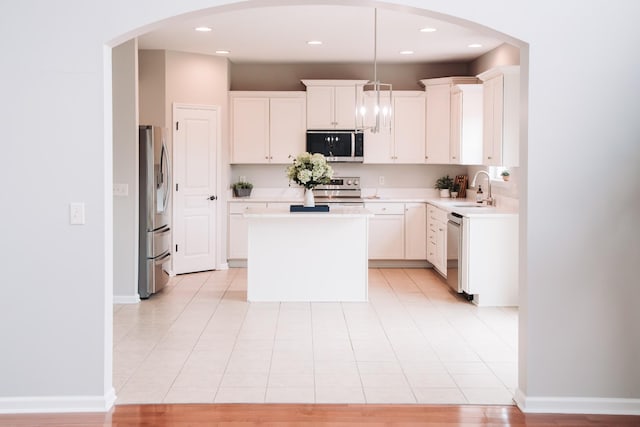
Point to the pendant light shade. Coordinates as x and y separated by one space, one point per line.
374 99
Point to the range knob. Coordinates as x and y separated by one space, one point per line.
356 182
349 182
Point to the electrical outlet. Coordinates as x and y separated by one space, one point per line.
76 213
381 180
243 178
121 190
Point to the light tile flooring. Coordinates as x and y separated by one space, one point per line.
413 342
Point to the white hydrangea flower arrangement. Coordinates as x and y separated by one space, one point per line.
310 170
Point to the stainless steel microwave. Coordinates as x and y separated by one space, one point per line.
337 146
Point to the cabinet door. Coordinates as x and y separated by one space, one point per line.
386 237
409 129
378 147
250 130
287 129
438 124
456 127
415 227
344 114
492 122
320 105
238 236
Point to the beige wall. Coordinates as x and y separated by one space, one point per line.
152 81
125 171
505 54
288 76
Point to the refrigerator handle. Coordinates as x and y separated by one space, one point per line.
167 184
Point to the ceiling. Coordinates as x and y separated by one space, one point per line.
279 34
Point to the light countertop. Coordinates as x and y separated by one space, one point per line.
336 212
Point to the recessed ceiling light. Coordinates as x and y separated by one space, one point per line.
314 42
428 30
223 52
475 45
203 29
406 52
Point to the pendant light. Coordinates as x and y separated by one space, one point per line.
373 99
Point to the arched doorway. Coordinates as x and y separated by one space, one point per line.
416 11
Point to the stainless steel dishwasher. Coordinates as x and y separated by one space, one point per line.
456 263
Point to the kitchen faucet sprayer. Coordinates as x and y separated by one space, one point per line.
489 199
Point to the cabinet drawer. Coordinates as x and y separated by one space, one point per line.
239 208
436 214
385 208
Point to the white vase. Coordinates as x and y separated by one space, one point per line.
444 193
309 201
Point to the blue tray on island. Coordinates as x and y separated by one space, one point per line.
316 208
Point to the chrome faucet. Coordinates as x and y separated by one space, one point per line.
489 199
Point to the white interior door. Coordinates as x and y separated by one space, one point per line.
195 142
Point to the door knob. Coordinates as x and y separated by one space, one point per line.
212 198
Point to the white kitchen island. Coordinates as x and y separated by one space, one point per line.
308 256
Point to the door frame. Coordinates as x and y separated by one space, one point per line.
221 256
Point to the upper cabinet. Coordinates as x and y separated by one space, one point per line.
405 142
465 147
439 119
501 116
331 104
267 127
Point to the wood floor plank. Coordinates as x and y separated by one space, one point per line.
247 415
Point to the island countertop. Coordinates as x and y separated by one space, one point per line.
334 212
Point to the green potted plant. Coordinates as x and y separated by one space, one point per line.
455 188
505 175
242 189
444 184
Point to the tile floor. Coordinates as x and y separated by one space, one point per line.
413 342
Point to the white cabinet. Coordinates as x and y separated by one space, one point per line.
439 118
491 254
437 124
267 127
465 146
501 120
397 231
409 127
415 231
437 238
405 143
237 230
331 104
386 231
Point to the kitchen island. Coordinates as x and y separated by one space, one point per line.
308 256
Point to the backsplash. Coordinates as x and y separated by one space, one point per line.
394 176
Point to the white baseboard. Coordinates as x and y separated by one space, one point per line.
223 266
126 299
57 404
576 405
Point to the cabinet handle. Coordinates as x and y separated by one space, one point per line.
489 157
266 157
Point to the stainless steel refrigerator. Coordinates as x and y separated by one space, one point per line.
155 219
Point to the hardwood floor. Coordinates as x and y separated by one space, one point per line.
314 415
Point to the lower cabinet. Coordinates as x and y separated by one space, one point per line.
386 230
397 231
437 238
415 231
238 229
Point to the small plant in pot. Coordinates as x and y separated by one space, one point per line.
242 189
444 184
505 175
455 188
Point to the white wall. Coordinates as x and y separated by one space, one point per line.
579 336
125 172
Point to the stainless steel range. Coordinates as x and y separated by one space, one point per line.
341 191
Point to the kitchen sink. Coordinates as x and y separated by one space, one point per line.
471 206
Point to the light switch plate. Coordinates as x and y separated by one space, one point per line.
121 190
76 213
